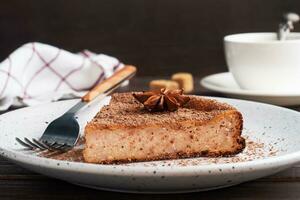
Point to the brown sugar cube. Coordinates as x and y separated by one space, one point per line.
168 84
185 81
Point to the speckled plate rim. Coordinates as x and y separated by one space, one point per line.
207 83
266 163
273 162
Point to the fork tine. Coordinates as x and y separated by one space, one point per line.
63 147
24 143
49 147
41 146
31 143
58 147
53 144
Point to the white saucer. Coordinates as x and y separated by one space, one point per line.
225 83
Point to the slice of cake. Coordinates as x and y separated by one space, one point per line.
128 131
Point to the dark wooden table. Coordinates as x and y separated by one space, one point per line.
19 183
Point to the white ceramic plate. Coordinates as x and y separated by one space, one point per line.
272 145
225 83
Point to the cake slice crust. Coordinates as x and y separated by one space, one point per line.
125 132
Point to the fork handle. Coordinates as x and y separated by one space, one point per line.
110 83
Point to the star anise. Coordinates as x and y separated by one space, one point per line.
161 100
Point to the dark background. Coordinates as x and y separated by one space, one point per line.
158 36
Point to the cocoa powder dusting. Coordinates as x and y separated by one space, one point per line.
74 155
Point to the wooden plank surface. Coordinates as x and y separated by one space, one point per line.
157 35
19 183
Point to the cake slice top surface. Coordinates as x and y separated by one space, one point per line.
125 111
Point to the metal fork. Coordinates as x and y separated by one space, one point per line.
63 133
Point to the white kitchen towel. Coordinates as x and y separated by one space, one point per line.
39 73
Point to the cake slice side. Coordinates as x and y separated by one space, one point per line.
217 135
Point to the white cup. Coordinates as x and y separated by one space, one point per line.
258 61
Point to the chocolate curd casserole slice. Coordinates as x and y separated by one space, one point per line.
128 131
